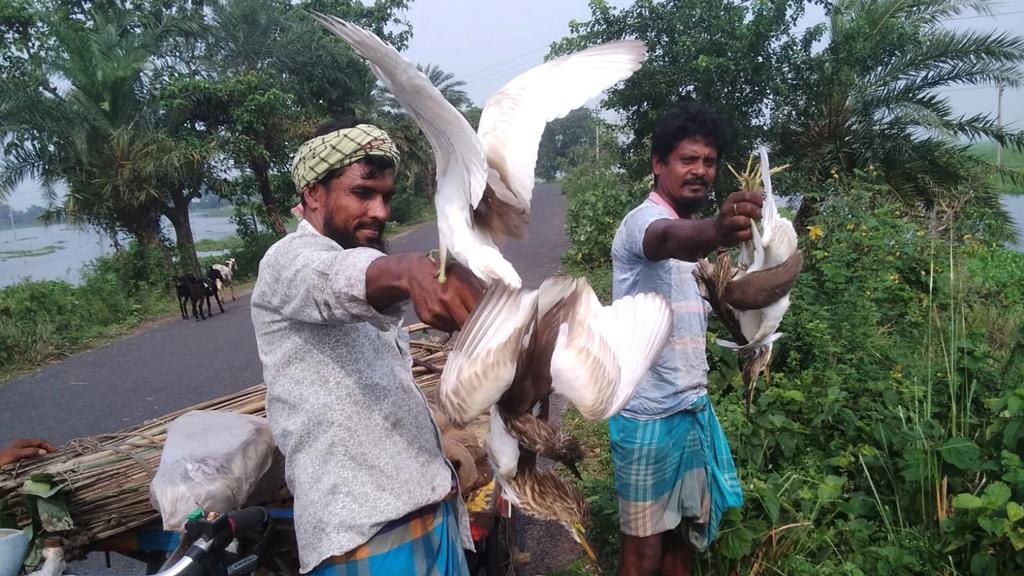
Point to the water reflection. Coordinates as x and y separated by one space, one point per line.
58 252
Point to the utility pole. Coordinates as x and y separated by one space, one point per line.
999 122
597 141
10 212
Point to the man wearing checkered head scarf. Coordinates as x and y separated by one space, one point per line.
324 158
364 460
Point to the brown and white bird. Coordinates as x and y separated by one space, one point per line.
752 297
517 348
485 179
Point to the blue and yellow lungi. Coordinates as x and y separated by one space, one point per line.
674 472
423 543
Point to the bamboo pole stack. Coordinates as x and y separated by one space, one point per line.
106 477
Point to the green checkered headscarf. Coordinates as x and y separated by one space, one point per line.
316 157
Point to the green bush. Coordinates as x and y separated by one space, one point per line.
409 204
887 437
43 321
597 198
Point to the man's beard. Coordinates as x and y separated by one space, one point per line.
347 238
690 205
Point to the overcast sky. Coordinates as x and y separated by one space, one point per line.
487 42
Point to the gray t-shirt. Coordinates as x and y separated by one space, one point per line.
679 374
360 445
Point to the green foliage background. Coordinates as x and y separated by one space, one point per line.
887 438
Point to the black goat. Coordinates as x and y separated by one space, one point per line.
191 289
183 286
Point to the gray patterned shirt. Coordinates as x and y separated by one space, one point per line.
360 445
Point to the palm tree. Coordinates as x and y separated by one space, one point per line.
105 136
869 101
95 135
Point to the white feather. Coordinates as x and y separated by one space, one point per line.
603 353
502 448
482 363
513 119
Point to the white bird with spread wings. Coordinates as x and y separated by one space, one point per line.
485 179
520 345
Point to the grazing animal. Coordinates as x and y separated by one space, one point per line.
190 289
211 287
227 270
183 286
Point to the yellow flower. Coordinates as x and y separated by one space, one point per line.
815 232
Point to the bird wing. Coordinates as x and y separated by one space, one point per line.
482 364
461 164
513 119
601 353
532 382
769 216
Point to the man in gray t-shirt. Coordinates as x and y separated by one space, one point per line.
674 475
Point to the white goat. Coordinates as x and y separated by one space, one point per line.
225 270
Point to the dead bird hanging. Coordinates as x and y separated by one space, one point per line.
752 296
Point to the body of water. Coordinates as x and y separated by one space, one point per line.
58 252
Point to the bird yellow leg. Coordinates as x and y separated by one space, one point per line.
442 260
441 276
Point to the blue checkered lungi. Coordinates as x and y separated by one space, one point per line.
674 472
423 543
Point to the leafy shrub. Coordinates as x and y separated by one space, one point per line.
597 198
887 437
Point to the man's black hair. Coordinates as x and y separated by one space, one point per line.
688 120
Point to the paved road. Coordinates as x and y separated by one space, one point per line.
174 363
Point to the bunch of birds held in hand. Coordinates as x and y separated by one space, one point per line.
737 293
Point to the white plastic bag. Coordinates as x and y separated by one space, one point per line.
211 460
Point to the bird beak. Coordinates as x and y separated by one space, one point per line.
575 471
579 534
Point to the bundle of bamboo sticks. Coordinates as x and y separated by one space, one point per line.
106 477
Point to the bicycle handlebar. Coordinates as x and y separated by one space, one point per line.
248 524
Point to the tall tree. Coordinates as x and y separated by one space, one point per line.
98 135
869 100
271 74
726 53
579 131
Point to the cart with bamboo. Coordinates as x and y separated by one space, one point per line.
94 493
